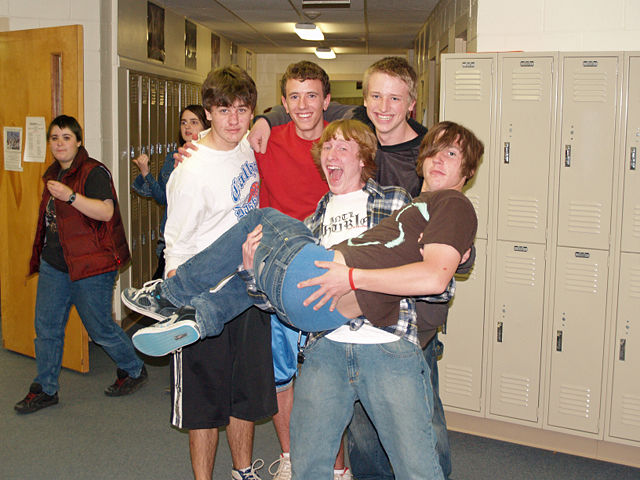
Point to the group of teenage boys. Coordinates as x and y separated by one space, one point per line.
226 379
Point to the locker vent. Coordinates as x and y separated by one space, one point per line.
582 277
585 217
145 92
575 400
634 283
631 410
458 380
468 85
161 95
475 201
526 86
133 90
636 221
514 390
523 213
590 87
520 270
154 95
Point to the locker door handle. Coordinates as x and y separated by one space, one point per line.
623 349
632 159
567 155
143 239
559 341
132 152
152 149
499 332
507 152
159 148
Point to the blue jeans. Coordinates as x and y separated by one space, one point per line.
366 455
277 258
389 380
93 298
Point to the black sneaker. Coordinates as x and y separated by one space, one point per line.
148 301
35 400
125 384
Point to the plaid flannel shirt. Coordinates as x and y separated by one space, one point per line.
382 202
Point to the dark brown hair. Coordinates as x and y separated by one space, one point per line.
65 121
302 71
199 112
445 134
225 85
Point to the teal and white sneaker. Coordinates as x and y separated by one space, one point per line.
248 473
148 301
177 331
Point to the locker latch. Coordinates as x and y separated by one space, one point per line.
507 151
499 336
632 160
623 347
567 155
559 341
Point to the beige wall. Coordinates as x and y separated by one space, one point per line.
558 25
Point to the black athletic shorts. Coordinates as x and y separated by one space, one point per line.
227 375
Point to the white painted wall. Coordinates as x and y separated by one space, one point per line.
558 25
28 14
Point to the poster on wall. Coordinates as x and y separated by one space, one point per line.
13 149
249 58
155 32
190 44
215 51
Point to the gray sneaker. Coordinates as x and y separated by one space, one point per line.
178 331
149 301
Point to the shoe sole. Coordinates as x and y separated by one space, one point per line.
141 310
157 342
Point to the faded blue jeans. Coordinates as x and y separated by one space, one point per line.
93 298
391 380
367 457
284 257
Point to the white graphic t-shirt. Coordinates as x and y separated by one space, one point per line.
346 217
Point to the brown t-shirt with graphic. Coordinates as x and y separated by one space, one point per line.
445 217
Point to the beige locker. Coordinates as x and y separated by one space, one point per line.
578 329
135 241
526 99
586 148
467 97
625 397
631 152
145 218
517 330
461 365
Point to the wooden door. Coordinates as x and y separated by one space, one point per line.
41 74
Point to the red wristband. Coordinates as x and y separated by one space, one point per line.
351 284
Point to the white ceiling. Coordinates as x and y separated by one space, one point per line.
266 26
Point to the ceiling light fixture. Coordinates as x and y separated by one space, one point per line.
308 31
325 53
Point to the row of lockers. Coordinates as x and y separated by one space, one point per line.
541 333
153 128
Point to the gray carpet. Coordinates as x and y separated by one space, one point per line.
91 436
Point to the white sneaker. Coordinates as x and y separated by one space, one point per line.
284 468
346 475
250 474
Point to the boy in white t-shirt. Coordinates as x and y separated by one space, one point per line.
206 195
